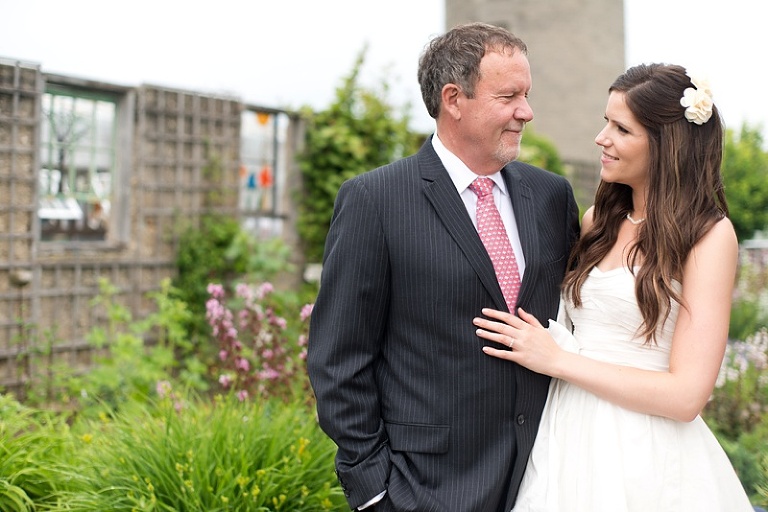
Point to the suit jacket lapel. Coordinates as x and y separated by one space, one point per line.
441 193
521 196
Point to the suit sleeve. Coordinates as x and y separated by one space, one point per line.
346 331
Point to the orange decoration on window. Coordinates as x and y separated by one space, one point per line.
262 117
265 177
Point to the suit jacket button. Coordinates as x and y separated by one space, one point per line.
520 419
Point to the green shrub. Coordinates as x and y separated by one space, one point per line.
201 258
748 462
124 368
738 412
36 456
739 402
358 132
174 453
193 455
539 151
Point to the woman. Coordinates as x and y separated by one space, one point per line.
649 300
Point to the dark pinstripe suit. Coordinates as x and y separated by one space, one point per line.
402 386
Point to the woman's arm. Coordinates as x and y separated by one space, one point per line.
698 344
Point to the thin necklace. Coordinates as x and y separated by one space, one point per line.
633 221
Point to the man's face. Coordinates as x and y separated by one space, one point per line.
492 122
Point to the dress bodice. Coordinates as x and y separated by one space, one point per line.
606 323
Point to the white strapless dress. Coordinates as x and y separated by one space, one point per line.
593 456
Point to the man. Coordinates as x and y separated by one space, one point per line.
423 420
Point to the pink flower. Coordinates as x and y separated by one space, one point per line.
163 388
264 290
244 291
225 380
242 395
242 364
269 374
306 312
216 290
223 354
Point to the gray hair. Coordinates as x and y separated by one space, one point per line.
454 58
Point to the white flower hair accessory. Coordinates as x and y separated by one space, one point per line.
697 101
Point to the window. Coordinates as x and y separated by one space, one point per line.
78 164
262 170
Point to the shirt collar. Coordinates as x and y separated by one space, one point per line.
461 175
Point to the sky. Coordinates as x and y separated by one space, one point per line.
294 53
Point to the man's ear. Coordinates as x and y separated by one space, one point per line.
451 96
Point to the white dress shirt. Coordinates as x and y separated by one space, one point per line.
462 177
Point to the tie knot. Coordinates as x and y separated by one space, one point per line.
482 186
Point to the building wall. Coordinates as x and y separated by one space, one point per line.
179 152
576 50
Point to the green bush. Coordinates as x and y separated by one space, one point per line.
201 258
194 455
539 151
739 402
174 453
738 411
745 174
748 311
36 454
358 132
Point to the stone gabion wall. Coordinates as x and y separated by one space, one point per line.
20 90
180 156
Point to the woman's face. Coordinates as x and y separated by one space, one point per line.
625 157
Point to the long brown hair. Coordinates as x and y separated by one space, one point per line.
685 196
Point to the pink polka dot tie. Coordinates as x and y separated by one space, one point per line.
494 237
